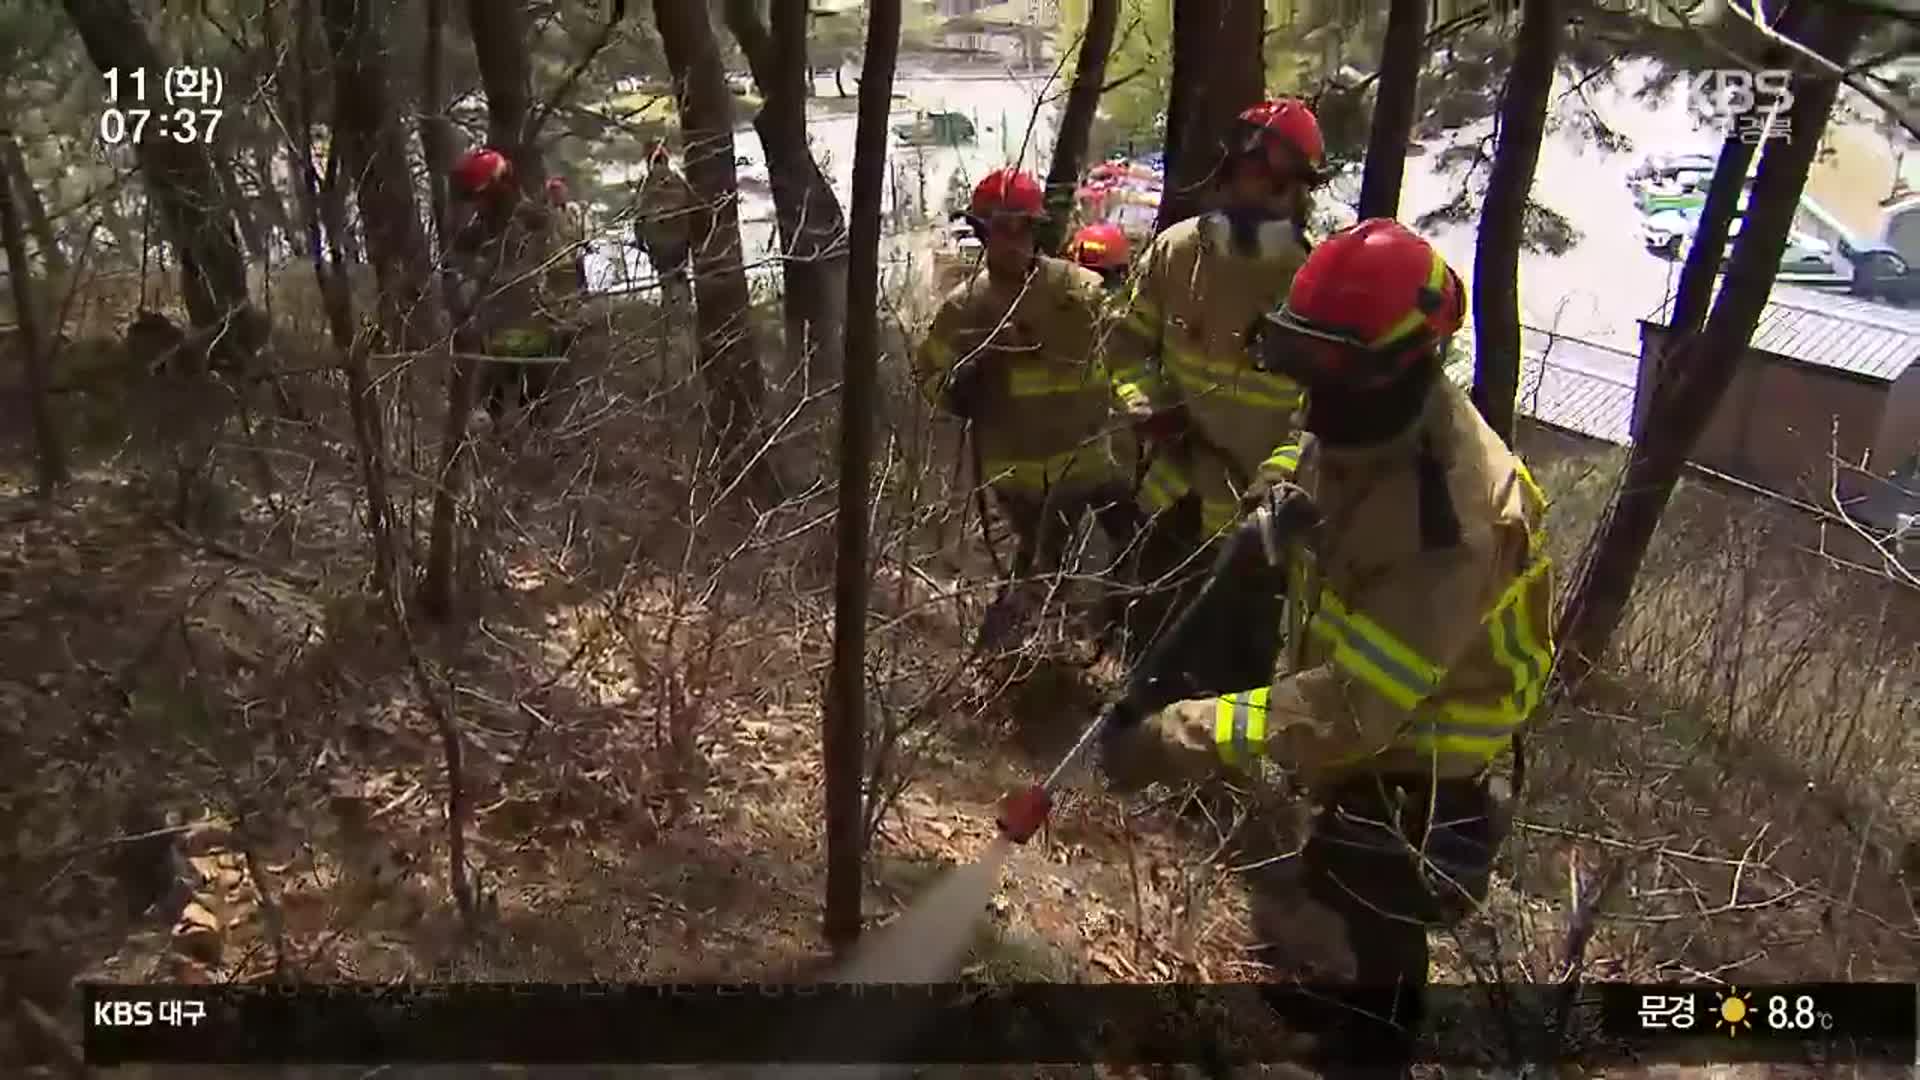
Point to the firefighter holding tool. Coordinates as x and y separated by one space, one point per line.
1205 417
504 311
1012 353
1417 627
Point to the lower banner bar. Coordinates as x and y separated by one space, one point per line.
519 1023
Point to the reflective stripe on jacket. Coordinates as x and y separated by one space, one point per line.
1403 658
1182 340
1044 396
501 275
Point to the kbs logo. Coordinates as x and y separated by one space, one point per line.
168 1013
1754 103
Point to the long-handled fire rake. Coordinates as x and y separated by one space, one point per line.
1157 681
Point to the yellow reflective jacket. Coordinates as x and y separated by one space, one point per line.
1045 397
1405 656
500 273
1183 340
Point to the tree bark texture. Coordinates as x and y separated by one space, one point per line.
1496 252
1693 378
185 187
374 146
808 216
1394 96
436 130
1076 123
729 361
1218 71
500 48
846 715
50 460
27 201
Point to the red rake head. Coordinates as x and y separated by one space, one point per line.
1023 812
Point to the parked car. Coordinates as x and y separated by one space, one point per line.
1665 167
1881 273
1687 191
937 129
1670 233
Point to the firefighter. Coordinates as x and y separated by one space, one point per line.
569 273
1102 248
1012 352
1204 416
505 311
1418 640
664 229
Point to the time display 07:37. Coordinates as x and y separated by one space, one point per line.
183 126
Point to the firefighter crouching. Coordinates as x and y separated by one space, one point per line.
664 229
1102 247
1418 639
1012 351
1206 418
506 311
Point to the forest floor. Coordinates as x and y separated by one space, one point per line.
216 763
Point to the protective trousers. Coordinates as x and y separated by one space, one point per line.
512 386
1043 526
1388 857
1233 647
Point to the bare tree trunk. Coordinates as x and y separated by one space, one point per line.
729 361
812 228
499 29
375 148
50 459
13 163
1395 92
1496 251
846 717
185 187
1709 248
1076 123
244 219
1694 377
436 130
323 205
1218 70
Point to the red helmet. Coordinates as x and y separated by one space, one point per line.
1281 122
557 191
1367 303
1005 192
1100 246
481 171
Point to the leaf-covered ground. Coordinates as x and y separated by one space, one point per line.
216 764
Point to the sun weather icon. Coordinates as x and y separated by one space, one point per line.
1736 1011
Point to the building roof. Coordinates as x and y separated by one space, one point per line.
1836 331
1571 385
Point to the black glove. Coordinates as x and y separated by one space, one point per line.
1287 514
967 389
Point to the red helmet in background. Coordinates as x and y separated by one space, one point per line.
1007 192
1368 302
1100 246
1282 133
557 191
482 172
